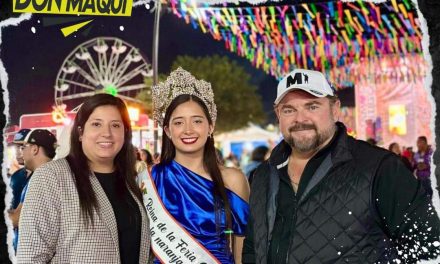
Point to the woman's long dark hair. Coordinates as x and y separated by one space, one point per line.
210 161
124 161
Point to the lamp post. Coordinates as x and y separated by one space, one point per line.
133 113
155 60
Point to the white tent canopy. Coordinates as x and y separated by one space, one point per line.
249 133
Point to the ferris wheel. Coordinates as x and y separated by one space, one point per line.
103 64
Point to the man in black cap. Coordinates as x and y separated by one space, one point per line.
37 147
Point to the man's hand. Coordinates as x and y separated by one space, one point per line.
14 215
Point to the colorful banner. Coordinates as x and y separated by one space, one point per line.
323 36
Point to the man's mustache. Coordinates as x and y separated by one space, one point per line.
300 127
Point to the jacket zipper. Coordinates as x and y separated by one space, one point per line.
293 222
292 231
278 243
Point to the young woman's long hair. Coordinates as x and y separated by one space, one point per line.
210 160
124 161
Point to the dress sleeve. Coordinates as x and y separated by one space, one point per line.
240 213
39 223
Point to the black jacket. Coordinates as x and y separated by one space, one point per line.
352 209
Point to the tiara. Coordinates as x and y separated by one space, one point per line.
181 82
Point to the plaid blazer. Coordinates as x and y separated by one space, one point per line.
53 231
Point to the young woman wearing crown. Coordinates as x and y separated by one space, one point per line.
198 208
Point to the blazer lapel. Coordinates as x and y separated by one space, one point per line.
105 211
144 249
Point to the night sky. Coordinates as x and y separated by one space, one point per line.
32 60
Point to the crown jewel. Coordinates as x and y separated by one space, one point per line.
181 82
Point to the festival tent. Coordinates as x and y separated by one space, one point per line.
246 139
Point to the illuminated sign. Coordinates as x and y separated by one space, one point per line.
397 119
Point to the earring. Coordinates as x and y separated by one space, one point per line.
80 138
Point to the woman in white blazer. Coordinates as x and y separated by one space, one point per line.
87 208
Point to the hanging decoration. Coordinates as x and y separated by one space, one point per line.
387 69
327 36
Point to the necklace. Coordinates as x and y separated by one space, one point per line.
295 185
291 176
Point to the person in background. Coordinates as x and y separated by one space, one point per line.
371 141
409 154
145 160
245 158
19 178
232 161
146 157
36 147
87 208
422 163
140 164
259 154
395 148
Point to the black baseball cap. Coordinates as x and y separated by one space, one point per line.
39 137
20 136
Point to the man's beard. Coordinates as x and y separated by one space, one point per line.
310 143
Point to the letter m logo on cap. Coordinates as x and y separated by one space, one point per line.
296 79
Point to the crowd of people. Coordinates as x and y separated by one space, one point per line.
319 196
418 162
